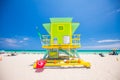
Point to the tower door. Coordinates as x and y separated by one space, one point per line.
55 41
66 39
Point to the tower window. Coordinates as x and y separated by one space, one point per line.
60 27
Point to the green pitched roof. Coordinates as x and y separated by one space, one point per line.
52 20
74 27
47 27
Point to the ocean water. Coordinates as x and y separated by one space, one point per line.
96 51
44 51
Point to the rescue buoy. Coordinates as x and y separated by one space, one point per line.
40 63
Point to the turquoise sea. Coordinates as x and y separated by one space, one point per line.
43 51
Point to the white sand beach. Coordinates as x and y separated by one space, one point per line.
20 68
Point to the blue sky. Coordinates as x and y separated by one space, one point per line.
99 22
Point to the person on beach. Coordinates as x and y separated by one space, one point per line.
114 52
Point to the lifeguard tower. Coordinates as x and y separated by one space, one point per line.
61 40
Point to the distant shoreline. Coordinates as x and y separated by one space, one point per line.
43 51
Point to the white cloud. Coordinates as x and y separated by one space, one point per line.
115 11
13 45
13 42
108 40
110 46
9 40
21 41
25 39
118 10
